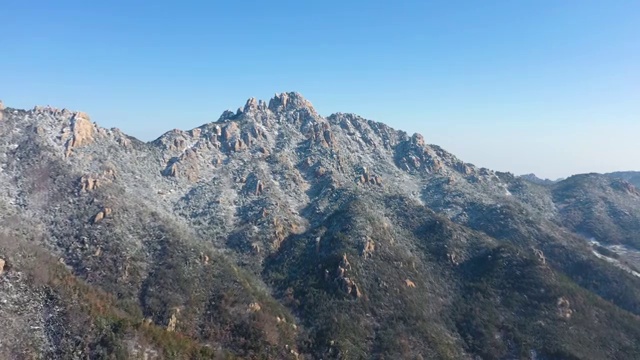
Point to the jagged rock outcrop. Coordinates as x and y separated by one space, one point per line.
368 248
540 255
368 179
414 155
320 134
89 183
349 287
82 131
173 321
230 131
204 259
564 308
93 181
345 283
289 101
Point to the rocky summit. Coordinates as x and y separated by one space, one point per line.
277 233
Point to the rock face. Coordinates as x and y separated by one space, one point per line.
278 233
81 132
368 248
346 284
173 321
289 101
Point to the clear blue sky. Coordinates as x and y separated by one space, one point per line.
551 87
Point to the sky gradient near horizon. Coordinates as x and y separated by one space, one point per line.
550 87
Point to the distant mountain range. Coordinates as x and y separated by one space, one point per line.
534 179
632 177
276 233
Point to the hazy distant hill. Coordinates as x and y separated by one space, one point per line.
534 179
630 176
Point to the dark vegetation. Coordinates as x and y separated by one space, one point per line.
500 301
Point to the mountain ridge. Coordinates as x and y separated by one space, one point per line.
275 232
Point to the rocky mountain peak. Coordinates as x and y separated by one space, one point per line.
289 101
342 142
254 104
246 233
280 104
55 112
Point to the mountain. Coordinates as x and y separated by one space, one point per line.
275 232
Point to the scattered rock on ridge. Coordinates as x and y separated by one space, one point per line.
254 307
564 308
106 212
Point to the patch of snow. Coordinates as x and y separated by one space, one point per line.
618 249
